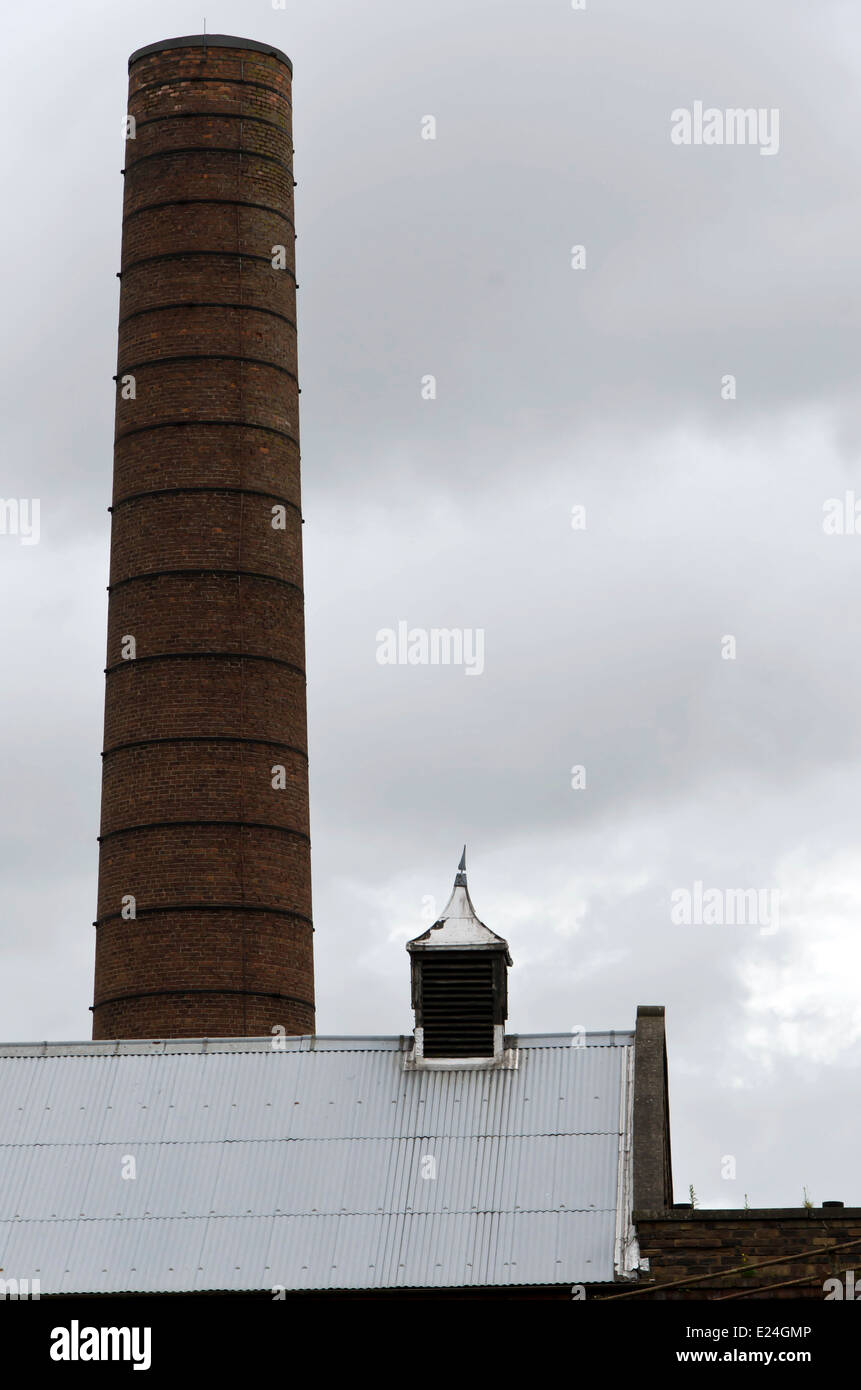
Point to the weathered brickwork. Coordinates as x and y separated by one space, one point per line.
204 455
698 1244
204 907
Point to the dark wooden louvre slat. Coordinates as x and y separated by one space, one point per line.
457 1005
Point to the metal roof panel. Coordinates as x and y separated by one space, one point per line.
257 1166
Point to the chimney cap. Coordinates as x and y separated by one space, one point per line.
211 41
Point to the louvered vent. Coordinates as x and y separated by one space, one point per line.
457 1003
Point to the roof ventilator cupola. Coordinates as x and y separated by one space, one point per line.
459 987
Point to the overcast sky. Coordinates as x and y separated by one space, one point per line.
604 647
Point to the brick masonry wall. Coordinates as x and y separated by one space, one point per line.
700 1243
197 723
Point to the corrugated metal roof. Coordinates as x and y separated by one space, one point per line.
303 1166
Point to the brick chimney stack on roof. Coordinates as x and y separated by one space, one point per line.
204 910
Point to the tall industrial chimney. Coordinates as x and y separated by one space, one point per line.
204 908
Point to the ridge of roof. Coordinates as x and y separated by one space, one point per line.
296 1044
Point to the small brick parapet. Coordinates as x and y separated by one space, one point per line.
775 1252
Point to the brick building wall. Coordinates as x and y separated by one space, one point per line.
206 566
694 1249
699 1244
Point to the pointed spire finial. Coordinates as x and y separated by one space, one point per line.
460 877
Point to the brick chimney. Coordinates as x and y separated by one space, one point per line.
204 906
